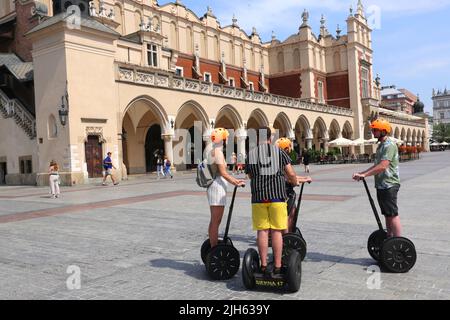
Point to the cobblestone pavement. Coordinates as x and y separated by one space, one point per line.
141 239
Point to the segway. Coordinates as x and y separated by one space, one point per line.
221 262
290 276
396 254
294 239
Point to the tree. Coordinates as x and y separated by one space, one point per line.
441 132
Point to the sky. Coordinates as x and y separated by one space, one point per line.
410 38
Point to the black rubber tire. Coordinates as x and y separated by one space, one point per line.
294 272
206 246
250 265
375 243
292 241
398 255
222 262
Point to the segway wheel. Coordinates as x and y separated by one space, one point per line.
250 265
375 243
398 255
297 231
294 271
292 241
222 262
206 246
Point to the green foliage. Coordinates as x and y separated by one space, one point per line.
441 132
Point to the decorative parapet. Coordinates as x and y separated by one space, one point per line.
12 108
164 80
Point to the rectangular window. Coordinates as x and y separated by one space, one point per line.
442 115
320 91
152 55
179 71
365 83
251 86
207 77
26 165
231 82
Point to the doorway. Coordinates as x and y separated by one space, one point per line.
94 157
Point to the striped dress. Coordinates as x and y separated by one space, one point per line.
266 165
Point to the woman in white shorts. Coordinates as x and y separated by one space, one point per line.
217 191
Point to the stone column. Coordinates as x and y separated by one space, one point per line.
309 143
168 147
325 145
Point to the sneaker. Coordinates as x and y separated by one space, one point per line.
57 196
116 183
171 177
104 184
53 196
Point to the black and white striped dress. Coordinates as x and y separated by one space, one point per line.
266 165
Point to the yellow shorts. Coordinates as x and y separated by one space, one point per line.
269 216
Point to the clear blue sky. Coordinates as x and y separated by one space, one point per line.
411 41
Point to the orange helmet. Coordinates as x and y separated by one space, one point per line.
284 143
381 125
219 134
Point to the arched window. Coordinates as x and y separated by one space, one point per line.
230 52
52 128
337 61
189 40
216 48
296 57
203 45
137 20
173 36
280 60
118 18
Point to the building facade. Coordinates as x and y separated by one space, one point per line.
125 75
400 100
441 106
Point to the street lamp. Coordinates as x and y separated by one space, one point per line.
63 113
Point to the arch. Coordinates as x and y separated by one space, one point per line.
337 61
260 119
283 124
335 131
196 110
320 133
296 58
280 61
302 132
189 40
118 10
173 35
403 135
408 136
232 115
153 105
203 45
397 133
347 131
231 52
216 48
52 128
413 138
137 19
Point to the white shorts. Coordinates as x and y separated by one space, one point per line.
217 192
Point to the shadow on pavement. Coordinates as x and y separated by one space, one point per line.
191 268
319 257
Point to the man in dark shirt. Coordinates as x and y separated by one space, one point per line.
268 167
108 166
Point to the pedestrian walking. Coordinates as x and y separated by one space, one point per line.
53 172
108 166
167 166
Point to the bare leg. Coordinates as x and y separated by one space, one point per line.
263 243
216 219
277 247
394 227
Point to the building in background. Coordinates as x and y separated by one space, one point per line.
441 106
400 100
79 78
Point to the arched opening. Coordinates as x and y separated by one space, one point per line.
280 61
302 134
319 135
142 129
93 150
347 133
296 57
193 121
229 118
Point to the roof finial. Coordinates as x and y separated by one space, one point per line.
234 21
274 37
338 32
351 11
305 17
360 8
323 28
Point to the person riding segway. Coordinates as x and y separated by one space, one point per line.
220 257
267 165
394 252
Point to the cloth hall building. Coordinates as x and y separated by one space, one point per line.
80 78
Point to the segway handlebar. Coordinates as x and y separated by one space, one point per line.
372 204
231 211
